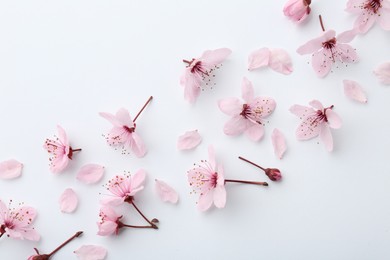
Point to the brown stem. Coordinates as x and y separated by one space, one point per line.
187 61
147 102
146 219
76 150
262 183
66 242
246 160
1 234
322 24
131 226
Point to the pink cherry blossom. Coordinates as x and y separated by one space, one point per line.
189 140
124 187
370 12
316 121
91 252
249 116
328 49
60 150
297 10
16 223
208 180
109 222
199 72
10 169
382 72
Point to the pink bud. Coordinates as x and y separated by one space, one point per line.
273 173
297 10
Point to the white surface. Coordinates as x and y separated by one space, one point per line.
62 62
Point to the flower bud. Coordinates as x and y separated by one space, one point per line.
273 173
297 10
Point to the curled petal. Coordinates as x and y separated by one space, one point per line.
10 169
90 173
166 192
215 57
189 140
334 120
279 143
137 145
91 252
316 104
354 91
258 58
123 116
326 137
68 201
280 61
382 72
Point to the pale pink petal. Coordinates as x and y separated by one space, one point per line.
192 84
321 63
28 213
59 164
384 18
189 140
109 213
107 228
10 169
235 126
347 53
334 120
301 111
90 173
316 104
383 73
31 234
280 61
112 201
265 104
326 137
212 160
279 143
259 58
316 44
215 57
3 211
219 196
347 36
353 6
308 129
166 192
138 179
247 90
138 146
354 91
364 22
205 201
255 132
220 177
111 118
68 201
124 117
62 136
230 106
91 252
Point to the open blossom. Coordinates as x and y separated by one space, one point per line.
247 117
124 187
200 72
109 222
370 12
60 150
297 10
16 223
208 181
316 121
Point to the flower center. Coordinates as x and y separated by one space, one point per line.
329 44
373 6
213 179
129 129
246 110
198 68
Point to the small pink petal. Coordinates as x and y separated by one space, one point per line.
90 173
258 58
279 143
354 91
68 201
10 169
334 120
189 140
280 61
166 192
91 252
382 72
326 137
255 132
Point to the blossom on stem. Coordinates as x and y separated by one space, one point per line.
109 222
200 71
297 10
248 116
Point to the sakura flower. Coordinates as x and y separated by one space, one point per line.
123 132
124 187
16 223
60 150
328 49
249 116
297 10
91 252
370 12
200 71
208 180
382 72
316 121
10 169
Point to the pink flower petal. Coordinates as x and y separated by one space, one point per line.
383 73
258 58
326 137
138 146
347 36
321 63
91 252
235 126
279 143
354 91
205 201
219 196
255 132
189 140
247 90
280 61
308 128
68 201
334 120
90 173
215 57
230 106
10 169
301 111
316 44
166 192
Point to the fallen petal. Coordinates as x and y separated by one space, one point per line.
189 140
280 61
91 252
279 143
354 91
90 173
383 73
10 169
258 58
68 201
166 192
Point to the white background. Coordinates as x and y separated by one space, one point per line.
62 62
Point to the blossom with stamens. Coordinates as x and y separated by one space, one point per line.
316 121
60 150
208 181
16 223
248 116
370 12
109 222
200 72
124 187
